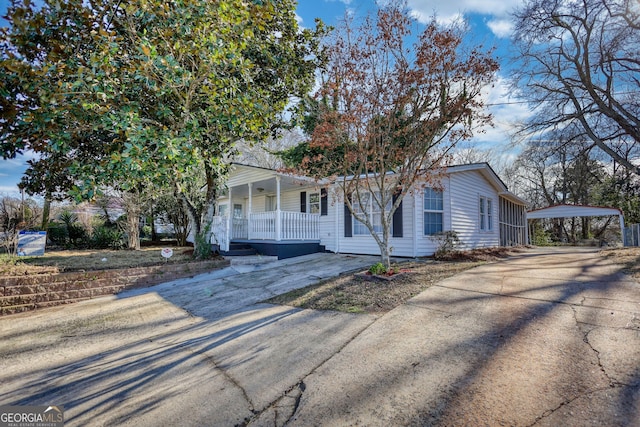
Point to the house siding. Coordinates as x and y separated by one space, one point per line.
466 188
366 244
462 190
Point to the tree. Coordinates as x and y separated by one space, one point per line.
388 106
268 155
16 214
580 65
148 92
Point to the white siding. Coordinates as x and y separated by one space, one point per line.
366 244
466 188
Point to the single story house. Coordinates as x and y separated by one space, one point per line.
284 215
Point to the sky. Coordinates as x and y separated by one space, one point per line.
489 22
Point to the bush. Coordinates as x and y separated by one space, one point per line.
378 269
203 246
447 242
104 237
57 234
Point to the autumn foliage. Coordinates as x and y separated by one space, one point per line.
394 101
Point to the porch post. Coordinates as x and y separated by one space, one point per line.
278 215
229 217
249 212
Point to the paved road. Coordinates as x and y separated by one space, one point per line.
549 337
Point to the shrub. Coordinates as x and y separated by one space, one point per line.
447 242
203 247
104 237
378 269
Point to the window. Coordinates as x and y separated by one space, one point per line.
314 203
371 209
270 203
222 210
486 214
237 211
433 211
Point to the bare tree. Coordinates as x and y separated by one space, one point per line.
392 112
580 64
266 154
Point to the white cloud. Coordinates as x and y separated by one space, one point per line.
346 2
448 11
501 27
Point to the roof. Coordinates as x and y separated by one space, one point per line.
570 211
483 168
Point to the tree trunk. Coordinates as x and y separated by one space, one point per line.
46 211
133 210
194 219
154 235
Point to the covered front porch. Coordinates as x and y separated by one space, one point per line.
264 208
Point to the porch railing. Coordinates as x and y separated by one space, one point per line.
219 235
239 228
293 226
264 226
300 226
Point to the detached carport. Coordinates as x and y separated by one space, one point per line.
577 211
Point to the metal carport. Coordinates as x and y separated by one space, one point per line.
571 211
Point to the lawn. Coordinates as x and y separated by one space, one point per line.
79 260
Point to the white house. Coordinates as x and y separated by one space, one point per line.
279 214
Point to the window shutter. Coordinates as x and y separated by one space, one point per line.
303 201
348 227
397 219
324 202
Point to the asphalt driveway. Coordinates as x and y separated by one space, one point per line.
548 337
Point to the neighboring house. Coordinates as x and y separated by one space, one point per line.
279 214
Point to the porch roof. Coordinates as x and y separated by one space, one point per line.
263 181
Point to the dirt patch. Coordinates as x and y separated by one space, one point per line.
628 257
482 254
354 294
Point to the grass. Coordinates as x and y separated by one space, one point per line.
86 260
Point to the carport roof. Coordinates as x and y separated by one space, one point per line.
570 211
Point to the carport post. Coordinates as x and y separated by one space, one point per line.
622 230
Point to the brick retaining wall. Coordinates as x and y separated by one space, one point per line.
23 293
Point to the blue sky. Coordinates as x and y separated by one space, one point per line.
489 23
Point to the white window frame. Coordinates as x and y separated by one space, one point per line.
428 191
373 212
270 203
313 203
485 214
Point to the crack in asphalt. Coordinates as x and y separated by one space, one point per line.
585 338
301 386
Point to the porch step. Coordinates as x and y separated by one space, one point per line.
251 259
240 249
